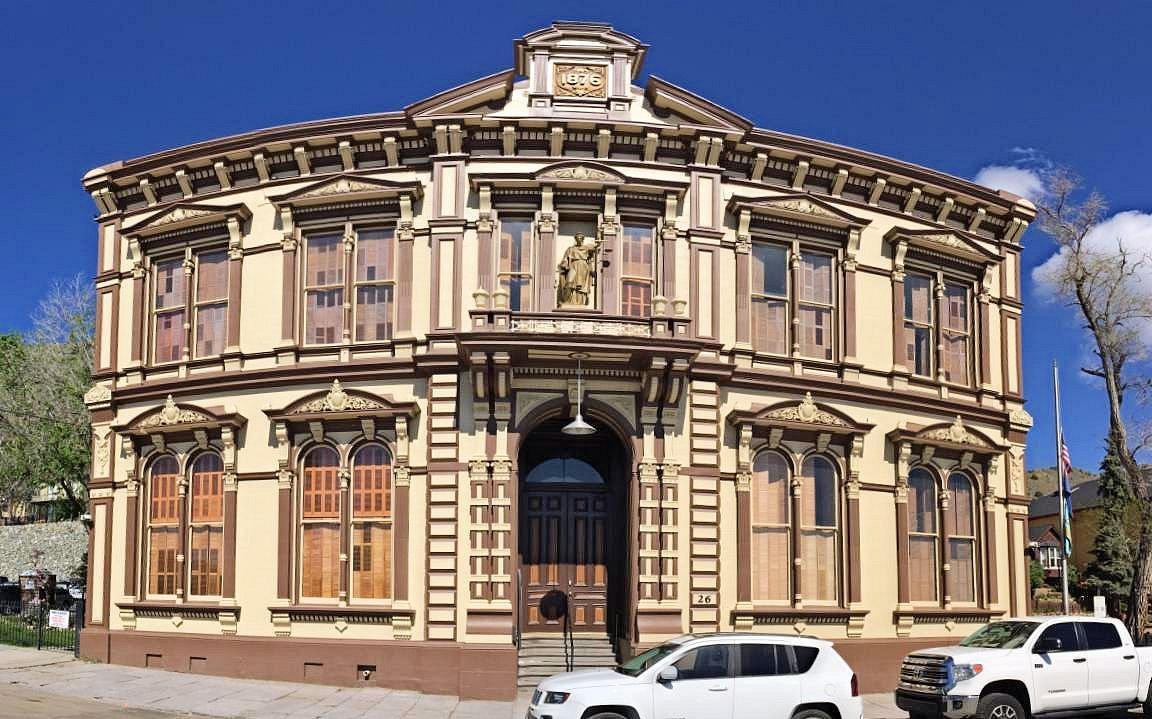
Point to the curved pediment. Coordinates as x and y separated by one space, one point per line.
581 172
337 402
178 417
949 435
805 414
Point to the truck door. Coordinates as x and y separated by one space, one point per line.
1059 676
1113 670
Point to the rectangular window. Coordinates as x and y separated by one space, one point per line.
918 324
818 545
816 305
770 298
922 542
372 524
374 284
514 271
956 335
320 547
324 289
170 307
211 303
637 266
162 547
764 660
204 560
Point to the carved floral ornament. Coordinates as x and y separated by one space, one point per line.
172 414
956 433
806 412
579 173
338 400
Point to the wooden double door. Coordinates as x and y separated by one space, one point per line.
565 548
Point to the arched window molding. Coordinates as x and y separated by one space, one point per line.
205 524
165 493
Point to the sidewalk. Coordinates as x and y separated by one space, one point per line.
57 674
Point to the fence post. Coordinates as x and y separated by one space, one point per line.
40 626
77 624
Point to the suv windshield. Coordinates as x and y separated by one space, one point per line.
1001 635
637 664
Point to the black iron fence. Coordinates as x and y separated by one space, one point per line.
42 624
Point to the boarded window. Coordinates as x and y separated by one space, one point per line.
163 529
960 527
922 539
206 524
320 514
819 530
771 556
372 523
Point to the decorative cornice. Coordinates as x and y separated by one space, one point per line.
805 414
340 403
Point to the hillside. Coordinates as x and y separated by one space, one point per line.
1044 481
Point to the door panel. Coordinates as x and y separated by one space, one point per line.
704 689
1061 677
564 547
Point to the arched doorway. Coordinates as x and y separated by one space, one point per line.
573 521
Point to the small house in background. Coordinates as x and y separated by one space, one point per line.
1044 547
1044 512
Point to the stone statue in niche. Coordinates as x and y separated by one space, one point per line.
577 272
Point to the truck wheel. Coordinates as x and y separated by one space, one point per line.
1000 706
607 715
811 714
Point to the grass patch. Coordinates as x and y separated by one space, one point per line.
17 631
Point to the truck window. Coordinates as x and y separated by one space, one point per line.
707 662
764 660
1000 635
1066 633
1101 635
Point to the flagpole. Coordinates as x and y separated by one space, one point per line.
1060 490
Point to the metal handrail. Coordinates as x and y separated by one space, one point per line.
516 637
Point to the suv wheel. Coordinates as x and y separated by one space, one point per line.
607 715
1000 706
811 714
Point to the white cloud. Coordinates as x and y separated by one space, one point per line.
1019 180
1132 230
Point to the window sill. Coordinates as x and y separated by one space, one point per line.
187 610
352 614
769 614
937 615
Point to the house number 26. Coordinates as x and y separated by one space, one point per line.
706 599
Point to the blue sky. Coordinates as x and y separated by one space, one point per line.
956 87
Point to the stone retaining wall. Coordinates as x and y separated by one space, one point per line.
63 545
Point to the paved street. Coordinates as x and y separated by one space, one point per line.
50 684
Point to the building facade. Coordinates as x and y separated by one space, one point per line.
335 363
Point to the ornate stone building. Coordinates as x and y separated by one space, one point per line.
337 362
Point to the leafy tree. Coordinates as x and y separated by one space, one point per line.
1035 575
1109 574
44 424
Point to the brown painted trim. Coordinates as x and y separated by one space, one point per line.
182 541
1014 564
345 538
130 544
797 542
285 533
744 545
983 345
404 243
990 553
106 578
228 570
288 297
743 298
254 476
400 519
235 279
898 356
849 313
854 567
902 586
876 487
138 298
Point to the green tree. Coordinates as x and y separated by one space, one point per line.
1109 574
1035 575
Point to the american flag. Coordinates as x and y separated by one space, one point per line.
1066 488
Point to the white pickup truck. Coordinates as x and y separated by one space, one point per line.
1033 666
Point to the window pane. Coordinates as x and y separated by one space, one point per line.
373 313
769 270
918 298
707 662
955 358
815 278
371 560
204 560
320 560
770 489
211 329
819 568
771 568
162 544
212 276
170 284
324 319
770 326
1066 633
1101 635
764 660
207 490
515 246
816 332
921 502
519 289
956 308
321 486
374 255
958 519
918 341
324 263
962 564
636 251
636 299
170 336
163 493
922 568
371 482
818 495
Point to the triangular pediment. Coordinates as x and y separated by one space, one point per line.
476 97
948 242
797 206
576 172
187 214
665 97
344 188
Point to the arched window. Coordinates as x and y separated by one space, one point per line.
960 529
163 525
819 530
771 562
372 523
206 524
320 519
922 531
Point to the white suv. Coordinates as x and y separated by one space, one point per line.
710 676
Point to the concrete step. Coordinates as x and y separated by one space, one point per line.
559 661
602 651
542 656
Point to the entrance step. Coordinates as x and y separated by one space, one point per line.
541 657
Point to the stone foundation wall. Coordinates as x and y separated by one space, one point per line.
63 545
